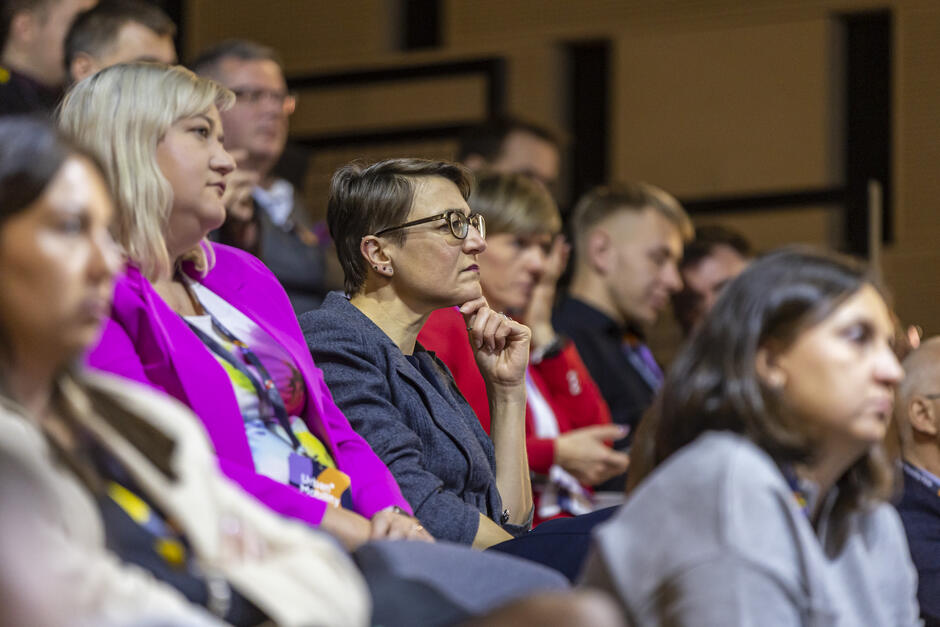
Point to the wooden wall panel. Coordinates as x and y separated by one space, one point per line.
373 107
305 32
685 120
771 228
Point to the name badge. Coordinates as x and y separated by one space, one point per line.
327 484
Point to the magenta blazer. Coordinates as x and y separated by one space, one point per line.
147 341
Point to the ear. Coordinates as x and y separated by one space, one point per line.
599 251
82 66
374 251
769 370
22 27
921 415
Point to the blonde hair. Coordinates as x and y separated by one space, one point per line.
514 203
120 114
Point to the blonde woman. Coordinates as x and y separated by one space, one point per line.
210 325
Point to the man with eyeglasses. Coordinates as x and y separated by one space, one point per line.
916 427
265 214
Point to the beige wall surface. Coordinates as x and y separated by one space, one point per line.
710 97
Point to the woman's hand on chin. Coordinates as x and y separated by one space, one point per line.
500 344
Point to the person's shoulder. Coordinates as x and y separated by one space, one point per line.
719 497
153 407
337 326
728 483
335 311
720 458
880 523
229 258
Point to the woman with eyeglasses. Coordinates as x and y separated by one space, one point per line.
567 420
408 244
209 324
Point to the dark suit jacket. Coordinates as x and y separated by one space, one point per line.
414 417
920 513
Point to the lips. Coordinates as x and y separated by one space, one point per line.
220 186
472 268
882 406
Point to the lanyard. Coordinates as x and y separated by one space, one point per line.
265 388
641 359
927 479
799 494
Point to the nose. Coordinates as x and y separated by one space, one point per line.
670 277
106 258
887 368
535 260
221 161
473 243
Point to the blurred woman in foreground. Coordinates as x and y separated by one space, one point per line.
111 464
762 478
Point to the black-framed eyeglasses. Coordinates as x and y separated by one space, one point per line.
458 221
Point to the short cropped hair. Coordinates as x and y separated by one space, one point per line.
365 199
604 201
487 139
95 31
208 61
514 203
121 114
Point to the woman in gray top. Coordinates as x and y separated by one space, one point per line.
760 477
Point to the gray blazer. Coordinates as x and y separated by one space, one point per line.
714 537
412 414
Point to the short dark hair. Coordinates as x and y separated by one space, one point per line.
713 383
96 29
487 139
707 239
206 62
365 199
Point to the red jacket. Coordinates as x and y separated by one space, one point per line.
563 380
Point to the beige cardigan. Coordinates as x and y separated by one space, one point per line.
295 575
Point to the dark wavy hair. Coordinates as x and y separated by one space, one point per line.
713 384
